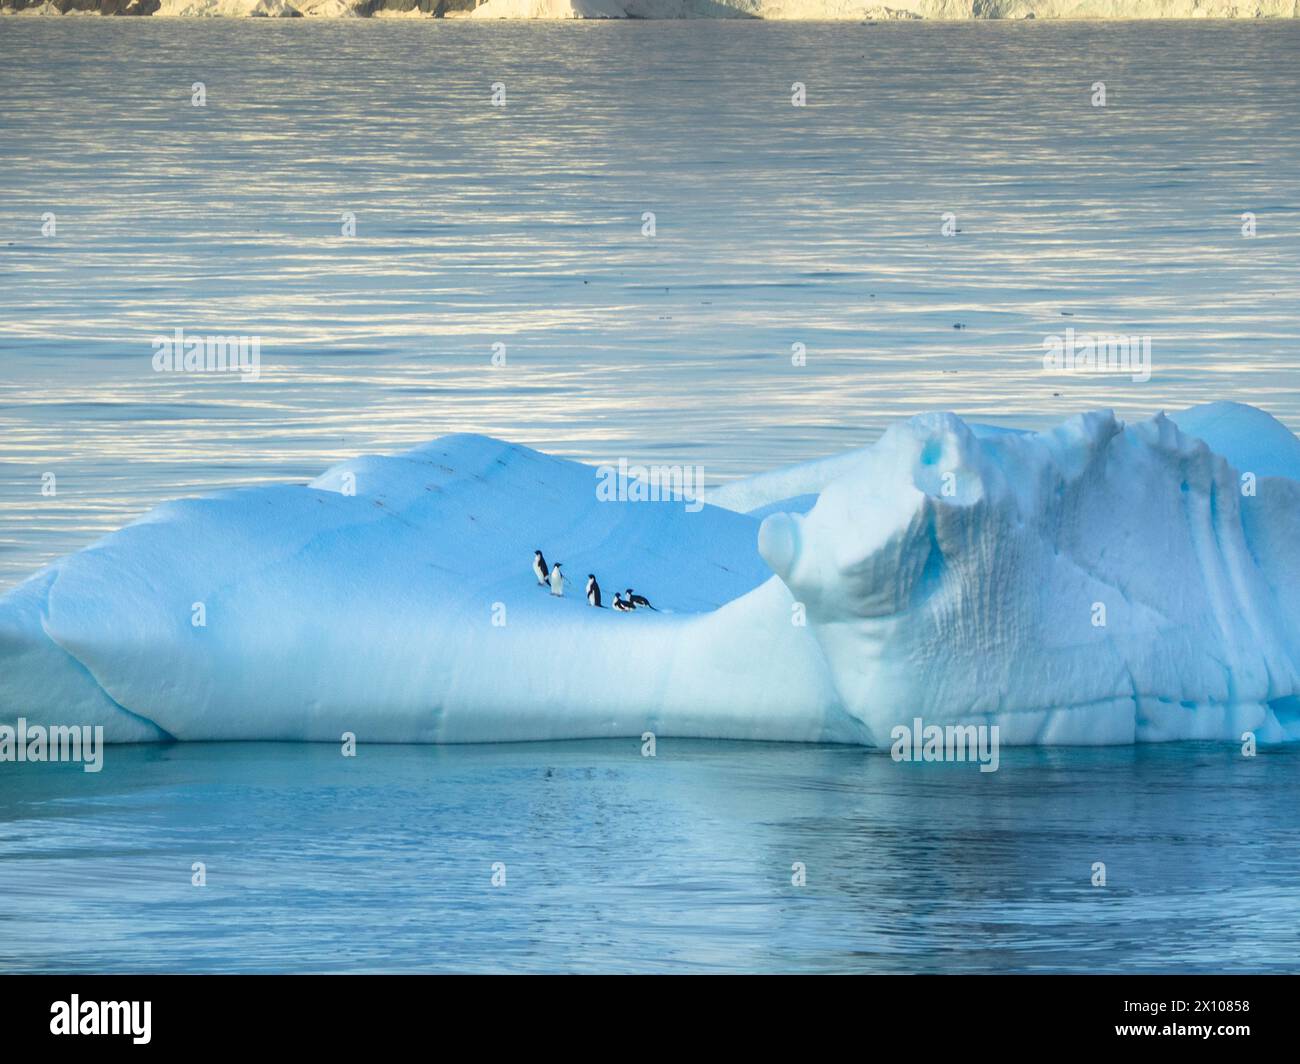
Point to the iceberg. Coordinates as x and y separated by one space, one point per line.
1099 583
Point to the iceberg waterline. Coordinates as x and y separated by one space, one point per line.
1099 583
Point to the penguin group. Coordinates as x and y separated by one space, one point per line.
550 576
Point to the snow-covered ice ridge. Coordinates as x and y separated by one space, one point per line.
672 9
948 571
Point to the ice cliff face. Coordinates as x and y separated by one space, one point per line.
1124 576
1100 583
665 9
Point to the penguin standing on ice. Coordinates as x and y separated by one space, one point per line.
557 580
620 605
593 590
639 600
539 567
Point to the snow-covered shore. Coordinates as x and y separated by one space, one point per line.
810 10
1099 583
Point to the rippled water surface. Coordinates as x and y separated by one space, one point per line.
522 225
677 863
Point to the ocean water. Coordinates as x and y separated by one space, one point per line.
522 225
681 862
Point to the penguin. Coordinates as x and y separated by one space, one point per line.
620 605
539 567
593 590
557 580
639 600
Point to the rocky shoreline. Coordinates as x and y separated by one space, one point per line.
670 9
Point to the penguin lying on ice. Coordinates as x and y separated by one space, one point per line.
639 600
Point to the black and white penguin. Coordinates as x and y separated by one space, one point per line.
639 600
539 567
593 590
557 580
620 605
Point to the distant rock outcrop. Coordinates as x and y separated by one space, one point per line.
855 10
